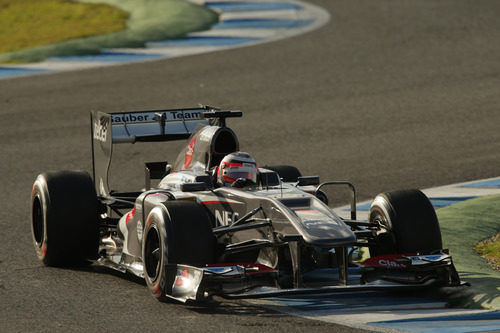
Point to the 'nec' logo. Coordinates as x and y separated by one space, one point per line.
225 217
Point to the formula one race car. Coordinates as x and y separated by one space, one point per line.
216 224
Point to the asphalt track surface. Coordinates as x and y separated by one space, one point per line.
387 94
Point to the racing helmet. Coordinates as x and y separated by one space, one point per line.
234 166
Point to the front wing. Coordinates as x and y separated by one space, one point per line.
250 280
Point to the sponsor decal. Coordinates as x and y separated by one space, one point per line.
101 129
315 219
139 230
387 261
181 115
426 259
225 217
437 257
390 263
189 152
219 269
130 215
141 117
130 118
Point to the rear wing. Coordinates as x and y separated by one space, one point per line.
137 126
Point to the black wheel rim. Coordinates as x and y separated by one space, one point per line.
384 235
381 221
37 221
152 253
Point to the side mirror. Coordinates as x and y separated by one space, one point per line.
194 187
308 180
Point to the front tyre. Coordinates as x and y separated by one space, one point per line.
64 218
176 232
155 253
407 223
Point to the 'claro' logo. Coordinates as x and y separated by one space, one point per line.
390 263
100 129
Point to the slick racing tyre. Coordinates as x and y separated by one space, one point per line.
407 223
287 173
64 218
176 232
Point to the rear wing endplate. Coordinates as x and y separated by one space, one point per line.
137 126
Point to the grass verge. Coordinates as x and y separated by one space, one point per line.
149 20
464 225
490 250
29 23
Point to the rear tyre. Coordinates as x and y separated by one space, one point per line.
64 218
287 173
177 232
407 223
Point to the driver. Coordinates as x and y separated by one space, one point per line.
237 169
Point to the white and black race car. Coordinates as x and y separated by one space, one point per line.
216 226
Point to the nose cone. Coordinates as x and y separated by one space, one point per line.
319 228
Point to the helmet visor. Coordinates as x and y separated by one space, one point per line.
232 174
247 175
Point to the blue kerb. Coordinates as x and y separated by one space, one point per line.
495 183
206 41
230 6
112 57
13 71
443 202
436 202
481 322
491 315
257 23
363 207
349 300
